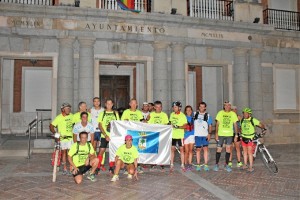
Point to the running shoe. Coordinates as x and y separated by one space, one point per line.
198 167
140 170
97 171
216 167
115 178
239 164
230 164
228 168
129 176
111 170
206 168
171 167
103 168
245 167
153 168
91 177
183 168
250 170
65 172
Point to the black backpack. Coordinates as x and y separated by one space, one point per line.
251 120
105 114
205 116
89 145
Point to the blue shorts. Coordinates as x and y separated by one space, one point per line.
97 136
201 142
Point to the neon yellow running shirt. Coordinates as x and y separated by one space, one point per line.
127 155
226 121
132 115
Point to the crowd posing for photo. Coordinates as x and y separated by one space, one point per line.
82 133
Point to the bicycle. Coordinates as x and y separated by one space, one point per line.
56 157
266 157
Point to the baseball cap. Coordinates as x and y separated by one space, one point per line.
176 103
227 102
145 103
128 137
64 105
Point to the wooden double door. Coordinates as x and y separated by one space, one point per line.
116 88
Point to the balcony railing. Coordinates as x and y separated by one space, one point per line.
141 5
31 2
211 9
282 19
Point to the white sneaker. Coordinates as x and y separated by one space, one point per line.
115 178
129 176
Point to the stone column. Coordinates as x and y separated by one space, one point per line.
240 78
65 72
255 83
178 86
160 74
86 70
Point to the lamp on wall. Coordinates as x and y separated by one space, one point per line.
117 64
256 20
77 3
173 11
192 67
33 61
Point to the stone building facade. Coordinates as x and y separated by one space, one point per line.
75 54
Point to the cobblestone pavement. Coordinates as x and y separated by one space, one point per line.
32 179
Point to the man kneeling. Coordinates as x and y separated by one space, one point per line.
126 155
82 158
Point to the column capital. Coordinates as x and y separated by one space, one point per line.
178 45
239 50
160 45
86 42
66 41
256 51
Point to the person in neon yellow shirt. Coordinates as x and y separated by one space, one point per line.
248 132
132 114
82 158
178 121
126 155
104 120
226 119
157 117
82 107
64 125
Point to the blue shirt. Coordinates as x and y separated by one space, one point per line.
189 133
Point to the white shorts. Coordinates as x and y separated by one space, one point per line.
189 140
66 144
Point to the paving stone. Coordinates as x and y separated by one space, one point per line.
32 179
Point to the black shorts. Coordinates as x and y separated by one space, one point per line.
104 143
82 169
177 142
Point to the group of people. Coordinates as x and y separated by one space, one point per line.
81 133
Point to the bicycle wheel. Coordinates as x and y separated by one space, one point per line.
268 162
55 166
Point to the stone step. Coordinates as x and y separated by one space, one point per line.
14 153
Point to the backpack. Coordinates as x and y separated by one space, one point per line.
251 120
105 114
89 145
205 116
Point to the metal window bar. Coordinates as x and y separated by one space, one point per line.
211 9
31 2
142 5
282 19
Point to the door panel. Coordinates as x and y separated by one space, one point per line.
117 88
